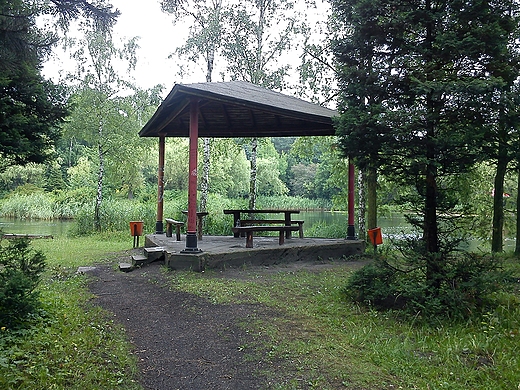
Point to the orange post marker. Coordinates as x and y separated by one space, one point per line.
136 230
375 236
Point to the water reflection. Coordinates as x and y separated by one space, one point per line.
24 226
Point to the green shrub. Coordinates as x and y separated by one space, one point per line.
467 283
20 271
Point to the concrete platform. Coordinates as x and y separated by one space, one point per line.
226 251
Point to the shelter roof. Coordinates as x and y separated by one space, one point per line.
238 109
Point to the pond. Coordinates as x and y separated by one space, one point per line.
392 226
27 226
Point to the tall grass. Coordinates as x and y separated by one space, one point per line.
293 202
42 205
38 205
116 213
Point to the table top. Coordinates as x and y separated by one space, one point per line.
199 213
261 211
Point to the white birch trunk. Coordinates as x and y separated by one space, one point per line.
252 180
362 231
204 185
101 173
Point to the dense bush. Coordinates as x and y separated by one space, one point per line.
467 282
20 271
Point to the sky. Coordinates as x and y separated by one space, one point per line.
158 38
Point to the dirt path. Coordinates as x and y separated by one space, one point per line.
182 341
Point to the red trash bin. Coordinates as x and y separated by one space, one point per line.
136 230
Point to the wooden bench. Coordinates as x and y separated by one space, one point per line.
252 222
169 228
200 215
286 221
248 230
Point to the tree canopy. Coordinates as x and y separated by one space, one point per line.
32 108
416 80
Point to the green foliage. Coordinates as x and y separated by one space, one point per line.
74 346
229 169
318 171
20 271
116 215
38 205
292 202
406 109
325 230
467 284
32 108
258 34
16 176
268 178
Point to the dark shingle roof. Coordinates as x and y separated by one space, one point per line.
238 109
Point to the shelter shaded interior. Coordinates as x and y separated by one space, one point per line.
238 109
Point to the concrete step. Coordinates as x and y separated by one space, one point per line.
138 260
154 253
125 267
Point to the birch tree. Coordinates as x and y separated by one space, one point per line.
259 34
204 41
32 108
98 85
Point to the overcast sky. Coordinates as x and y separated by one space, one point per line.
158 38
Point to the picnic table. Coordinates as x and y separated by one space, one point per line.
251 221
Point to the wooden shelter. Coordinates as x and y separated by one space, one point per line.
235 109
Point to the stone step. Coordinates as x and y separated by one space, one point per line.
125 267
138 260
151 249
154 253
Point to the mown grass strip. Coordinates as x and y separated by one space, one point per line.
329 343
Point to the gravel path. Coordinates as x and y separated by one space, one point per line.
182 341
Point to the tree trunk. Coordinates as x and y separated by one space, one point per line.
498 205
362 231
372 197
101 173
204 185
517 237
252 180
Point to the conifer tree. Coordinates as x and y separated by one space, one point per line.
32 108
416 81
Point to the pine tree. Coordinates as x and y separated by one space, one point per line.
32 108
416 82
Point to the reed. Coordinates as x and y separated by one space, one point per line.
37 205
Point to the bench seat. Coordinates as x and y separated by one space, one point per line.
250 222
169 228
248 230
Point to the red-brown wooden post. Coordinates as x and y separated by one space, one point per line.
159 227
191 231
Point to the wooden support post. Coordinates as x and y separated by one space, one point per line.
159 226
351 232
191 233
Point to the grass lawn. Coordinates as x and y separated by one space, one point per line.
325 342
71 345
336 344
